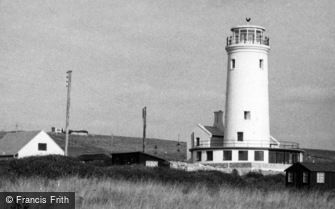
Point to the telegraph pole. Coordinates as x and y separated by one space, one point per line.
68 85
144 116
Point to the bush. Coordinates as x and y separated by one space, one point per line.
55 166
52 166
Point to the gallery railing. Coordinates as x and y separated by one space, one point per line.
246 40
254 143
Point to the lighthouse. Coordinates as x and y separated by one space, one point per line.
243 137
247 98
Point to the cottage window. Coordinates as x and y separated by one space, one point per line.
198 156
242 155
320 177
305 177
209 155
289 177
227 155
42 146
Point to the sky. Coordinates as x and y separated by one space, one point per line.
167 55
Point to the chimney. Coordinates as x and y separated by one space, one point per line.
218 120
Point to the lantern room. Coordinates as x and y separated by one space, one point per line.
248 34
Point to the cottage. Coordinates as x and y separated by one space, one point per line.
316 175
28 143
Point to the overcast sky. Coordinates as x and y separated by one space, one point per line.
167 55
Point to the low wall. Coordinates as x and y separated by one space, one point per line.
242 168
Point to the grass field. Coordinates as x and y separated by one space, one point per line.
141 187
97 193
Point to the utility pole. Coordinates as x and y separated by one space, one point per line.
68 85
144 116
112 143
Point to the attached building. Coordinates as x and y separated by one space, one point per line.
28 143
311 175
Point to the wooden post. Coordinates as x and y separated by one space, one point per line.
68 85
144 116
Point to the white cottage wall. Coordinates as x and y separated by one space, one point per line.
31 148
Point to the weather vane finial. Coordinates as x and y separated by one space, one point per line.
248 19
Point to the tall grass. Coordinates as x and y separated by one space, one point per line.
98 193
141 187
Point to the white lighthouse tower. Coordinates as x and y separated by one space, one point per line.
247 98
244 139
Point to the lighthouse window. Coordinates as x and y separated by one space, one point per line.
227 155
242 155
261 63
247 115
259 155
198 156
240 136
243 36
258 36
251 35
209 155
232 63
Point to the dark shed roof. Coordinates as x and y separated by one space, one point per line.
325 167
214 131
136 153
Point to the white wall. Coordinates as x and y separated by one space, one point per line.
203 135
218 156
247 90
31 148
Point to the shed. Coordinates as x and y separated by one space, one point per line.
129 158
97 159
308 175
28 143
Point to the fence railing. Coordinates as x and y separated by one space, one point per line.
253 143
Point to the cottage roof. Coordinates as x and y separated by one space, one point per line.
327 167
12 142
214 131
322 167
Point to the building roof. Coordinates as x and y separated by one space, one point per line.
12 142
114 154
327 167
214 131
324 167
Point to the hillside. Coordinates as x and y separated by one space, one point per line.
166 149
318 155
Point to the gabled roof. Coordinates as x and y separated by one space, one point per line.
11 143
327 167
322 167
214 131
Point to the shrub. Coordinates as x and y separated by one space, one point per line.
52 166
